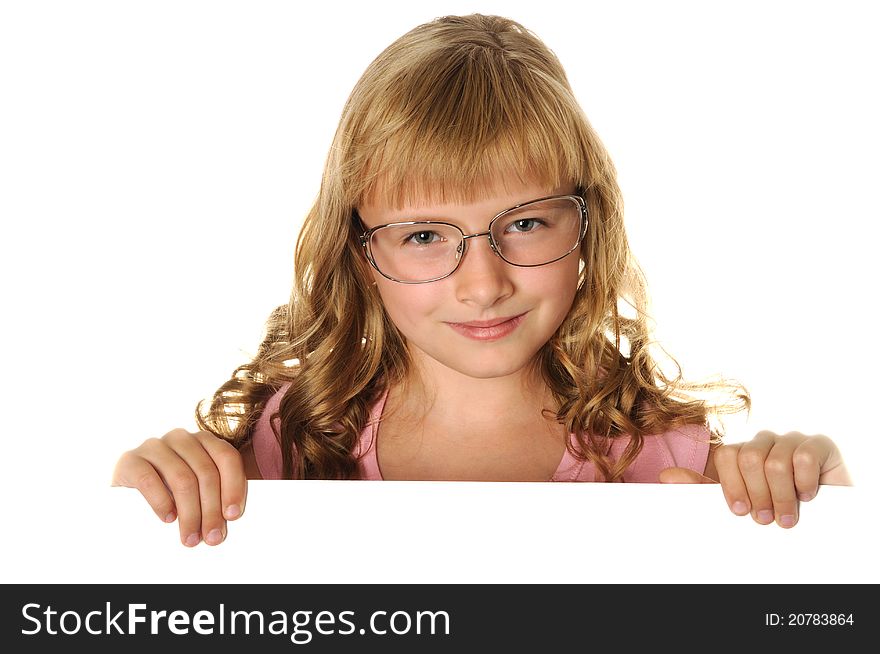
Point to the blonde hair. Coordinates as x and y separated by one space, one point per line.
442 114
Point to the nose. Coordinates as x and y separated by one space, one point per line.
482 278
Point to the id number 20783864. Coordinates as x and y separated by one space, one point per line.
808 619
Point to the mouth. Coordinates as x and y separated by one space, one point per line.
488 330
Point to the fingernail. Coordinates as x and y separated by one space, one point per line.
170 517
192 540
805 497
233 511
787 521
740 508
765 516
214 536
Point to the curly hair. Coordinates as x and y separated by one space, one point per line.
444 113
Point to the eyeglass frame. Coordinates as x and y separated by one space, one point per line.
582 205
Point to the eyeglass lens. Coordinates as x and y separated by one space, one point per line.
531 235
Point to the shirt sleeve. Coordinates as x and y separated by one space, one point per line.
267 448
682 447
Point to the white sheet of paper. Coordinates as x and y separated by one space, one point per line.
459 532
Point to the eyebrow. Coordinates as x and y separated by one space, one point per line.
411 215
414 214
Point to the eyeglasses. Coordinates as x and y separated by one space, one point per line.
531 234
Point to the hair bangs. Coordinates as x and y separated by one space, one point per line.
481 127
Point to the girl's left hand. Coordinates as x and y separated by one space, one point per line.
767 475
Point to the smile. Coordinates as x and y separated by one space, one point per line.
488 330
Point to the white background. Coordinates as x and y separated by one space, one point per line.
156 160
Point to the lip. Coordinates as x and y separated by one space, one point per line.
488 330
486 323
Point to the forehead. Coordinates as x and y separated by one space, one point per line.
492 202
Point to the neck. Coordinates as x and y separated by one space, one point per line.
442 397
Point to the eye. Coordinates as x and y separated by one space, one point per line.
422 237
523 225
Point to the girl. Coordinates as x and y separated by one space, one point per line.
459 312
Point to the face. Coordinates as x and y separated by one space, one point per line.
489 318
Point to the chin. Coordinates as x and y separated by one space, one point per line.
486 373
487 369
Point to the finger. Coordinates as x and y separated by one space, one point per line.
233 481
180 479
807 463
732 483
779 472
750 460
133 471
190 448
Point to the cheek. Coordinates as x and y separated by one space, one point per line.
406 304
555 284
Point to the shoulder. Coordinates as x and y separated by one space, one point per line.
251 469
265 443
679 447
265 446
688 445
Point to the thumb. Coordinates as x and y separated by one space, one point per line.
683 476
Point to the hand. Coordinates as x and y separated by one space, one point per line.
197 478
769 474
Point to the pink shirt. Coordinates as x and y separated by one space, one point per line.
685 447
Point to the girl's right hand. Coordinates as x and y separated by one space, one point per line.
195 477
